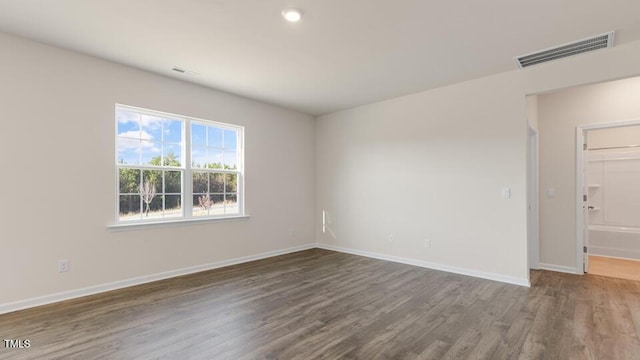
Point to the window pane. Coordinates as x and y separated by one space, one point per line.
201 204
230 160
230 139
198 135
129 181
231 201
151 128
173 182
128 151
231 182
198 157
150 152
172 155
216 183
200 183
152 209
173 131
129 207
172 205
214 158
129 130
128 121
215 137
217 205
151 184
204 205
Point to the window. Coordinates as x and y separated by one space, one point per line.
163 160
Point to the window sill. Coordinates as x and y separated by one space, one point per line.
172 223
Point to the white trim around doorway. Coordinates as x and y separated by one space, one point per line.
533 215
580 221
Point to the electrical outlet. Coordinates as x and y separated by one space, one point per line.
427 243
292 234
63 265
391 238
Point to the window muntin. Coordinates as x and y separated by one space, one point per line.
153 167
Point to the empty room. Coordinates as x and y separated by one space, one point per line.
236 179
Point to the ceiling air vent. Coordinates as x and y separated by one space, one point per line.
593 43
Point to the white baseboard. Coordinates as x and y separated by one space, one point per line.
557 268
613 257
432 265
616 253
91 290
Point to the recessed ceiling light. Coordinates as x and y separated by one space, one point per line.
292 15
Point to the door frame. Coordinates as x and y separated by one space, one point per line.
533 215
581 131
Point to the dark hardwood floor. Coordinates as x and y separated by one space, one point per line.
319 304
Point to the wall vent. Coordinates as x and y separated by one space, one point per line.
593 43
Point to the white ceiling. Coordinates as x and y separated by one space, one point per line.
344 53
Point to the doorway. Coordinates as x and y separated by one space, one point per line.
608 199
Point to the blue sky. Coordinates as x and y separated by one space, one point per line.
142 137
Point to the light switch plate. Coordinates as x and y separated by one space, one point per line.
506 193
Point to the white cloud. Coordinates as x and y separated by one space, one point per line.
125 117
127 144
135 134
151 121
130 140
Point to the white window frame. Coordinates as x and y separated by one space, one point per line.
186 169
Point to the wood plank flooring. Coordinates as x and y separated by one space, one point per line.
318 304
617 268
